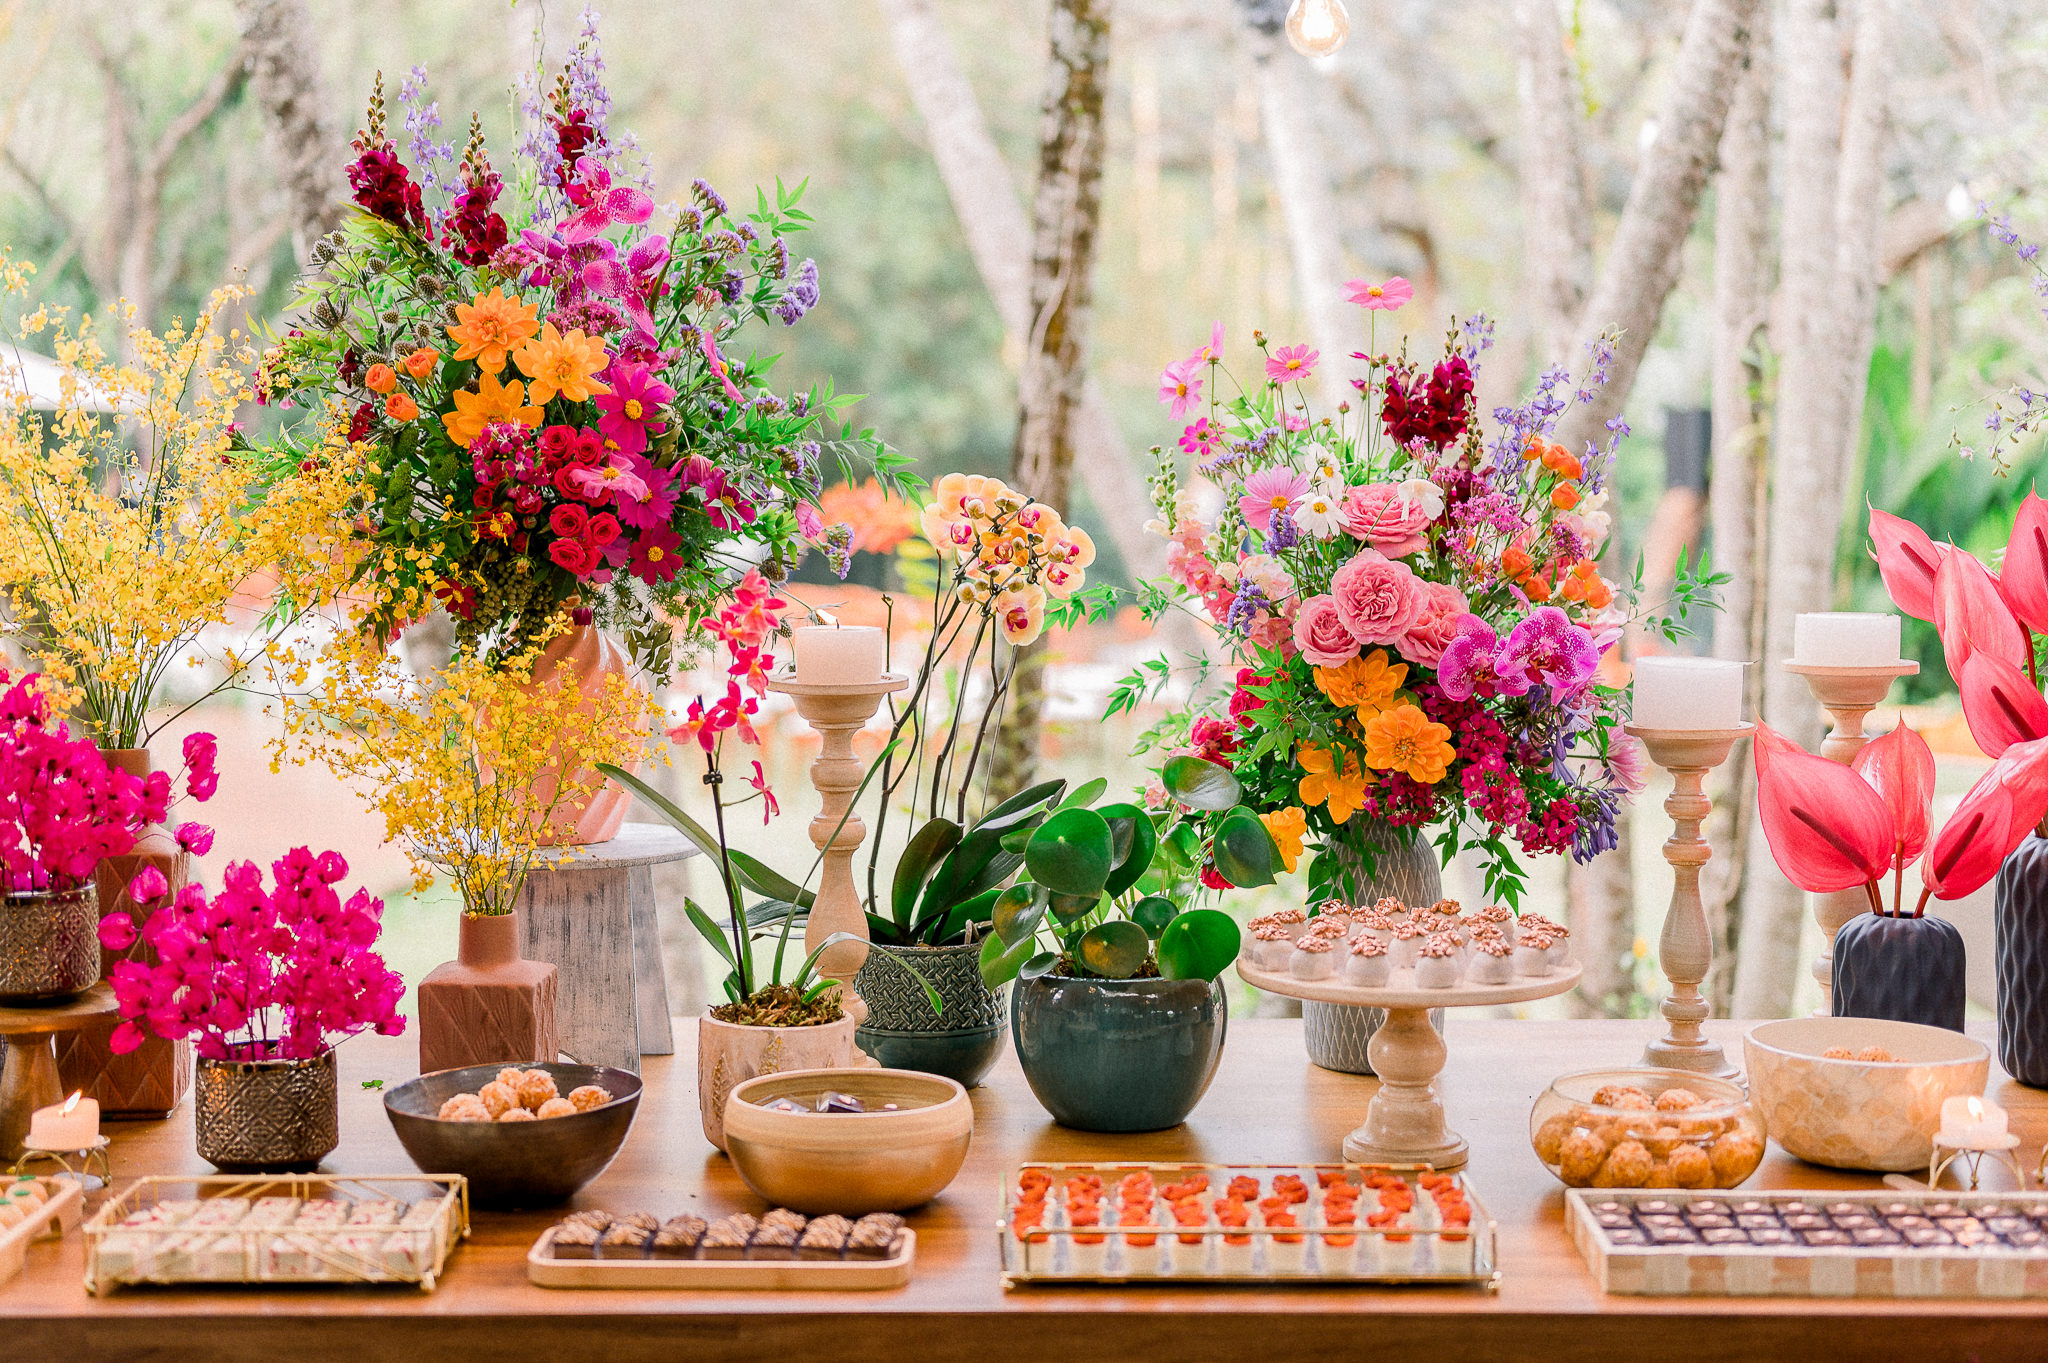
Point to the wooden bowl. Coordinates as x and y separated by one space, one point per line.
514 1164
856 1162
1859 1114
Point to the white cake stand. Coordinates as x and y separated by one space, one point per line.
1404 1124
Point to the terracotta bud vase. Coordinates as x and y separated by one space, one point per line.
148 1082
489 1005
584 656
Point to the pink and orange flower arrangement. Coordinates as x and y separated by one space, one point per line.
552 391
1415 610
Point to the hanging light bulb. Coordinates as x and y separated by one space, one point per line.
1316 28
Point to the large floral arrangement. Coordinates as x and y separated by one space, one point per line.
552 388
255 974
151 544
1415 611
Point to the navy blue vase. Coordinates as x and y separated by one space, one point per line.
1905 969
1118 1055
2019 933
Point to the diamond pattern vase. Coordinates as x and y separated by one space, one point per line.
49 948
1385 864
1906 969
2019 934
266 1116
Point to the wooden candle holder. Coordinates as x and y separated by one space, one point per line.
1685 950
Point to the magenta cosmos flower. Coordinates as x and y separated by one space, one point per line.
1379 297
1291 363
657 555
723 503
1268 491
632 410
1180 385
1548 648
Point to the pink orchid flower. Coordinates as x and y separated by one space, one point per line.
604 205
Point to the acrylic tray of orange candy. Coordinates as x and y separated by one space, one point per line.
1259 1223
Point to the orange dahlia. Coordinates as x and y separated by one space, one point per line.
1404 739
492 402
563 364
487 329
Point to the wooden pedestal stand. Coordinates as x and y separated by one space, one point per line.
29 1078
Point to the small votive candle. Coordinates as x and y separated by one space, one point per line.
73 1124
1687 693
1970 1123
1845 639
838 655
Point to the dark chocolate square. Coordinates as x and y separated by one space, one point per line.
1674 1235
1709 1221
1724 1235
1929 1235
1756 1220
1627 1237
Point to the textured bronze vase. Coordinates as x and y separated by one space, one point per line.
257 1115
148 1082
584 657
489 1005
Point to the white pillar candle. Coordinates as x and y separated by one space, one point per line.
839 655
1969 1123
1687 693
1845 639
73 1124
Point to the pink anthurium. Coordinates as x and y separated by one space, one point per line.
1972 617
1907 560
1900 768
2023 578
1828 828
2005 804
2000 705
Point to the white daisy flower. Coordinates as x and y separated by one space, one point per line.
1421 492
1317 514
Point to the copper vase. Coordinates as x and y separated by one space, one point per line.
146 1083
489 1005
583 657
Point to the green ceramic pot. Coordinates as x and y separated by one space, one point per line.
1118 1055
903 1033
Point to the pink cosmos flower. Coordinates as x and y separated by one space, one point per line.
1378 597
1294 423
727 509
1200 438
1180 386
719 366
1383 518
632 410
1377 297
612 480
1436 624
1211 351
1321 634
656 503
1291 363
1548 648
1270 490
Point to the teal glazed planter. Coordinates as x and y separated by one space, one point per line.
903 1033
1118 1055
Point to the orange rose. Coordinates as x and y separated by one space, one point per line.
1564 496
1516 562
421 362
1537 588
1599 595
1532 448
401 408
382 378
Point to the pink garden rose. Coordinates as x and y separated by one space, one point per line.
1436 624
1379 515
1321 634
1378 597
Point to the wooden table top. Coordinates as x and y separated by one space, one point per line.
1267 1104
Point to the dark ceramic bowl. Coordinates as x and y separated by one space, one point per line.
516 1164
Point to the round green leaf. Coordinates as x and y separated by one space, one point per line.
1153 913
1115 950
1198 945
1000 962
1182 848
1244 850
1072 908
1041 964
1200 784
1085 794
1017 913
1071 853
1137 843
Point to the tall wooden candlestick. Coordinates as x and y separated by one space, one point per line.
838 711
1847 694
1685 951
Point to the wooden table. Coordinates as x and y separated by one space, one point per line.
1267 1103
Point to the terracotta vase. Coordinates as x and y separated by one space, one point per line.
148 1082
729 1054
584 656
489 1005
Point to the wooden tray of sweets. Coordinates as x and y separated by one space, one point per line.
276 1229
1256 1223
779 1250
1884 1244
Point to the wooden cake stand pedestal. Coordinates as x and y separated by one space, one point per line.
29 1078
1404 1123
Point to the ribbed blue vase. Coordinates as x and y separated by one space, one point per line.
2019 934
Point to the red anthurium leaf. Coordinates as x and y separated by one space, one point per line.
1971 616
2000 810
1900 768
1907 560
1827 826
2000 705
2023 578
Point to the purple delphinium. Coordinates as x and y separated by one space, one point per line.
1548 648
1244 608
422 121
1599 807
1281 534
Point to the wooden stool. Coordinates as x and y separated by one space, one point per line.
593 919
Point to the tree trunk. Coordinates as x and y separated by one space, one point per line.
1645 259
1066 212
284 71
1557 219
1742 239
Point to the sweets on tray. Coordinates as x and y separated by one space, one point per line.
1433 946
779 1235
518 1095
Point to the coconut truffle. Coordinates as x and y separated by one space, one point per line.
556 1107
464 1107
535 1088
588 1097
516 1114
498 1096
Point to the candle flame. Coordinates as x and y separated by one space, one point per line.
1976 1110
71 1103
828 618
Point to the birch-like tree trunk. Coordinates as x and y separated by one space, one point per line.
284 73
1861 213
1742 241
1557 217
1065 214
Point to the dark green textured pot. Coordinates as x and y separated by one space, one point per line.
1118 1055
902 1033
